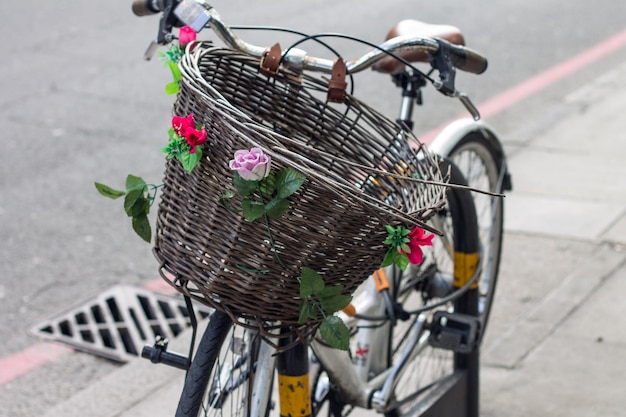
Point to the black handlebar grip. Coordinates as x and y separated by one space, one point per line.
467 60
157 355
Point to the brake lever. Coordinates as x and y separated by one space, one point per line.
442 62
166 24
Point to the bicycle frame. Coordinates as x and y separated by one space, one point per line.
351 376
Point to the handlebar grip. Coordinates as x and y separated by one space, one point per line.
147 7
157 355
467 59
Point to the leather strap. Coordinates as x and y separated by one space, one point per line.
270 60
337 84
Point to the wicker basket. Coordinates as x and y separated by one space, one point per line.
357 165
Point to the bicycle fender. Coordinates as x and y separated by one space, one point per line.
452 134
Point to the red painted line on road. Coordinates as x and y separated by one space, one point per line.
20 363
537 83
161 286
556 73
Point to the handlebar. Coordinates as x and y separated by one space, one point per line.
198 14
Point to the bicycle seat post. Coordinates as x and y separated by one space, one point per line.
411 83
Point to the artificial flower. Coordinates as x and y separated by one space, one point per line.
252 165
186 35
417 238
182 124
195 138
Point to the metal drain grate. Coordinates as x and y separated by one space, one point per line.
119 322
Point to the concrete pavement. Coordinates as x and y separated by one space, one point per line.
556 344
564 353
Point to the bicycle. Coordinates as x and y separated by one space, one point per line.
233 370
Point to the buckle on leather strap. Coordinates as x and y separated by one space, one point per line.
270 60
337 84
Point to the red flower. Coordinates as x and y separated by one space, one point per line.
417 238
182 124
195 138
186 35
185 127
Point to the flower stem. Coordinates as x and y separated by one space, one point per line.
269 233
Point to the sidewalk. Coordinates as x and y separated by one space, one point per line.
564 354
556 344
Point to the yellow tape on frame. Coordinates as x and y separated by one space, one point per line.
465 265
294 395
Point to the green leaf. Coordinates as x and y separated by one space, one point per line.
335 333
141 226
109 192
267 185
305 310
190 160
175 71
244 187
389 258
172 88
176 145
141 206
335 303
328 292
390 229
131 199
228 194
310 283
252 210
172 135
134 183
288 182
402 261
277 207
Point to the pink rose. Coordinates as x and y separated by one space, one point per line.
252 165
417 239
186 35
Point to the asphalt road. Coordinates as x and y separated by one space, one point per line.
78 104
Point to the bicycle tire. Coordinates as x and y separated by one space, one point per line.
199 373
429 370
483 167
220 376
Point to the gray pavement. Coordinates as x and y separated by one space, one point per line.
556 345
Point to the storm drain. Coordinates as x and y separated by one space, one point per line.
119 322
